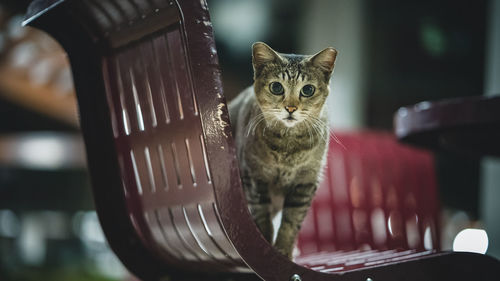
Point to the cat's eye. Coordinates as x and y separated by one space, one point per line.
307 91
276 88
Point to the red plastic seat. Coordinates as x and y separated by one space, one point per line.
163 166
376 204
376 195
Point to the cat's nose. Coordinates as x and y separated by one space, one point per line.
290 109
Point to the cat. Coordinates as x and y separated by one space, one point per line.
281 131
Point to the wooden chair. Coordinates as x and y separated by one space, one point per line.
162 159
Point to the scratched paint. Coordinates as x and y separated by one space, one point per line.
222 124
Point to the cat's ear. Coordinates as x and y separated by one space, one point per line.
262 54
325 59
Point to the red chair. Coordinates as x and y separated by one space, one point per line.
163 165
377 202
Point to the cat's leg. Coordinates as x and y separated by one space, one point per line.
259 203
297 203
263 220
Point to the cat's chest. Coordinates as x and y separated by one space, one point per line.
283 161
279 169
282 153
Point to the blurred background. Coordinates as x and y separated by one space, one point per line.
391 54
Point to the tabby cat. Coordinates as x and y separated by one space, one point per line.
281 132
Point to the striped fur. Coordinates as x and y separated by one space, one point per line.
281 159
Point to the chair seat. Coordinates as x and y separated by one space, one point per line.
343 261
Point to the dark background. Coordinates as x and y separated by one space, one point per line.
412 51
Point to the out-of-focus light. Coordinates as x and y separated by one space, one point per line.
42 152
378 226
109 265
471 240
9 224
240 23
55 224
428 245
23 55
90 229
32 240
412 234
15 27
394 224
433 39
85 225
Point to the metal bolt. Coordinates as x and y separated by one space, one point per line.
295 277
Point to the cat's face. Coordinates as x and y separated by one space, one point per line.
291 89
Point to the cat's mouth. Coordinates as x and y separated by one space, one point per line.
289 121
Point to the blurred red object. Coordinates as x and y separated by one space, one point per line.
376 194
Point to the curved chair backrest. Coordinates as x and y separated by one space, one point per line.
376 194
160 152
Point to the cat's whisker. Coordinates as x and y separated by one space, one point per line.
337 139
255 127
254 122
251 123
310 133
310 136
275 123
321 128
330 129
318 130
314 124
